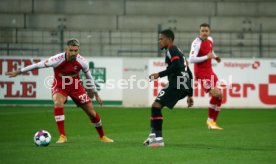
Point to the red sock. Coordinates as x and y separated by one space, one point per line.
215 116
217 110
98 125
219 102
59 117
210 113
212 107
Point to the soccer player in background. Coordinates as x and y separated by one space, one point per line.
201 55
67 66
179 86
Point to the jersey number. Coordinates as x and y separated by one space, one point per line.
161 93
84 98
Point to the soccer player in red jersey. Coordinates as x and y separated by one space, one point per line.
67 66
201 55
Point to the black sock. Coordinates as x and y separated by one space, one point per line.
156 121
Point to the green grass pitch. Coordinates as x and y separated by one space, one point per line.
249 136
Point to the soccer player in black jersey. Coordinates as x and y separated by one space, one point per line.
179 86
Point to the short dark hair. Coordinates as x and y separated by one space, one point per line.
168 33
205 25
73 42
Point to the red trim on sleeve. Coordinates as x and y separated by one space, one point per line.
174 58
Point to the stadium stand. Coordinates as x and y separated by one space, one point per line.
243 28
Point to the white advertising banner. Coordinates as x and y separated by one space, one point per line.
250 83
123 81
135 72
34 87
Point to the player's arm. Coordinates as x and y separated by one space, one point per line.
189 72
214 55
175 63
91 87
90 83
51 62
217 58
190 100
38 65
193 58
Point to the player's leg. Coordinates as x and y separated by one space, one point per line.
156 119
59 100
155 137
166 97
206 85
95 120
82 100
209 84
214 108
217 96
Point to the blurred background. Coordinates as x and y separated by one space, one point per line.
128 28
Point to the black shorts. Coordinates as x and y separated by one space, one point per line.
170 96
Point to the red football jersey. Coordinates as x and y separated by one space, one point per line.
201 48
63 68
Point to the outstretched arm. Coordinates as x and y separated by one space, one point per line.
53 61
26 69
14 73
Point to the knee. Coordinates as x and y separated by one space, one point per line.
218 94
58 103
156 105
59 100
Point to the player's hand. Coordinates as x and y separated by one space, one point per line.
218 59
154 76
90 93
210 55
187 62
190 101
13 74
98 99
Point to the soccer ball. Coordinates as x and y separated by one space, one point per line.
42 138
